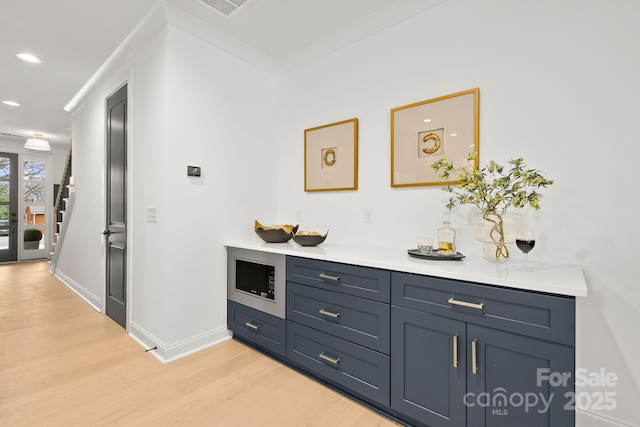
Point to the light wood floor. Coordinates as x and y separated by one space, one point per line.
64 364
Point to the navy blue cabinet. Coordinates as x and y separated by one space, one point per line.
507 382
349 366
428 360
362 321
429 351
259 328
338 325
449 369
364 282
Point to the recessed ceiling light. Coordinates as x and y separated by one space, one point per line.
454 134
12 103
29 58
426 120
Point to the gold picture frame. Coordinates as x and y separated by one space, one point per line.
331 157
425 131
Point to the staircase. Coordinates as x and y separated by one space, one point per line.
61 204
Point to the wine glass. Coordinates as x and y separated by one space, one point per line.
525 241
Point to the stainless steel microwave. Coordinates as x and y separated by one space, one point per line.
257 280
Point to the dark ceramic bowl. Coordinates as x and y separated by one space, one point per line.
275 235
309 239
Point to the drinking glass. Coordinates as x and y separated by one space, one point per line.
425 245
525 241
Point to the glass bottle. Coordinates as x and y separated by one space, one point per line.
446 237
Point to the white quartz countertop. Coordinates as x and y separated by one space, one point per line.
561 279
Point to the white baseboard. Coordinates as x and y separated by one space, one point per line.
92 299
586 418
167 353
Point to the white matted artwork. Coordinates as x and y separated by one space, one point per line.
425 131
331 157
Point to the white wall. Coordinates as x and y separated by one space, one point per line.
148 143
80 251
194 105
190 103
222 114
558 85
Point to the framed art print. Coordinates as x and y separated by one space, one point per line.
331 157
425 131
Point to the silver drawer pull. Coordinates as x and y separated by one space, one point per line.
328 277
252 326
329 358
328 313
465 304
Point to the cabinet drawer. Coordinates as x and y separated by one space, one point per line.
359 320
544 316
262 329
365 282
347 365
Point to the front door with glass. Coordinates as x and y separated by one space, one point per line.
8 207
37 211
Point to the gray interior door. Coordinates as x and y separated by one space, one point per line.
8 207
116 215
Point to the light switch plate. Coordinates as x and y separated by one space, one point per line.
152 214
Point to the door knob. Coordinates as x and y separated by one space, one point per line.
107 232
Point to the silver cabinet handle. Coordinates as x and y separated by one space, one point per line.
474 356
455 351
328 277
465 304
252 326
329 358
328 313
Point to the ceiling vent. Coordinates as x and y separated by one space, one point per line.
227 7
10 134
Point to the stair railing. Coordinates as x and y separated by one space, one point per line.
64 181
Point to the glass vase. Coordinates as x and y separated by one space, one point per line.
497 232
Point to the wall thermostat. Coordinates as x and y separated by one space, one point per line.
193 170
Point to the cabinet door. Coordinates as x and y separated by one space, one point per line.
356 280
509 386
349 366
261 329
362 321
428 367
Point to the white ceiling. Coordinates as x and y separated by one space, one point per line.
74 37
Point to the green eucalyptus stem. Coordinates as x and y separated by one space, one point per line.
502 251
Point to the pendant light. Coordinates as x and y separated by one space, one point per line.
37 143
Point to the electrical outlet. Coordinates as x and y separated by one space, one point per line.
367 215
298 215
